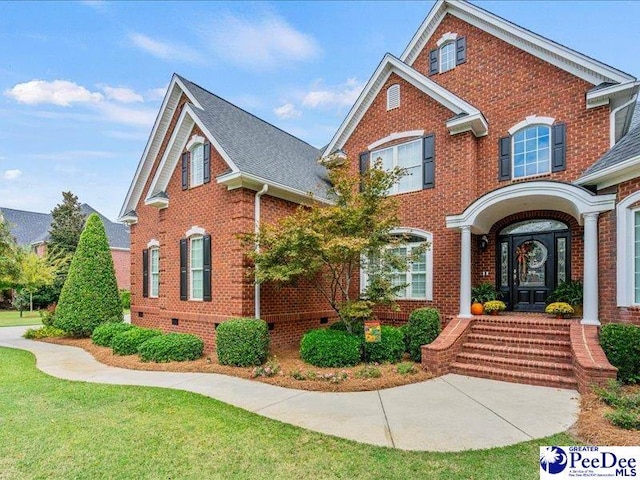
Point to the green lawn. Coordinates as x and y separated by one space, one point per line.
11 318
51 428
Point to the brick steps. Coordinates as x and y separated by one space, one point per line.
543 379
524 349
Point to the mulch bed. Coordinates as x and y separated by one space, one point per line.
289 361
593 428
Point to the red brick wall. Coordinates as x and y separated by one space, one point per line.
122 266
607 282
506 85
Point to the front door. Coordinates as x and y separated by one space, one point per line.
531 265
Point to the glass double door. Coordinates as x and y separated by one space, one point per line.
530 266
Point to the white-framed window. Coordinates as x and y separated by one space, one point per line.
393 96
197 165
447 56
531 151
154 271
196 270
628 251
405 155
418 278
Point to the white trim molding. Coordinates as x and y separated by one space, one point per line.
531 120
195 231
195 140
613 175
525 196
395 136
625 233
447 37
465 113
558 55
153 243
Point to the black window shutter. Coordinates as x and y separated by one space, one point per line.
145 273
559 154
461 50
428 161
184 259
434 58
206 268
364 165
505 158
185 170
207 162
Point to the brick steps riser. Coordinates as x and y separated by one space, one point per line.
520 342
517 353
559 368
514 377
544 324
520 332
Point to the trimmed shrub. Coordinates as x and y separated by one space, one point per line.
127 342
621 344
90 294
103 334
423 328
242 342
330 348
43 332
389 349
125 298
173 347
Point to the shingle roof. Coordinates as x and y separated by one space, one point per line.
627 148
33 227
259 148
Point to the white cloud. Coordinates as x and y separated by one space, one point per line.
142 117
260 43
287 110
122 94
164 50
72 155
57 92
155 94
343 95
11 174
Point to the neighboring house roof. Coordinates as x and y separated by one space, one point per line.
30 228
465 116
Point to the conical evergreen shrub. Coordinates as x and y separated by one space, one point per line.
90 294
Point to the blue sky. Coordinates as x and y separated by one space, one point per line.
82 82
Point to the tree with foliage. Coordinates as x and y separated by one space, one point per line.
35 272
325 244
90 295
9 266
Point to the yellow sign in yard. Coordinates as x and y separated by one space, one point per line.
372 332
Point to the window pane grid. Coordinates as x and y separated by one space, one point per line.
197 165
637 258
407 156
531 151
196 269
155 271
447 57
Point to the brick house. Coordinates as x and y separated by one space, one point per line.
524 170
32 229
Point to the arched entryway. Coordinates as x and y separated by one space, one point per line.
483 213
532 258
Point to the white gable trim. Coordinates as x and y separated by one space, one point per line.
562 57
188 118
395 136
531 120
613 175
389 65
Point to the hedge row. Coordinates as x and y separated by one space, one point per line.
621 344
152 345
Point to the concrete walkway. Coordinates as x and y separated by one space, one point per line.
449 413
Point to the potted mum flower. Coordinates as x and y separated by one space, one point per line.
559 309
494 307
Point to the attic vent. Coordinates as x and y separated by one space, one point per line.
393 97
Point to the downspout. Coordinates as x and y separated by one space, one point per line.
256 230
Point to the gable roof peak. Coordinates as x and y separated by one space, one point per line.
554 53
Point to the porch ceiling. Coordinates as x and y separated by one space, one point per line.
522 197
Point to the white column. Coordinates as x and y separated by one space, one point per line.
590 280
465 272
